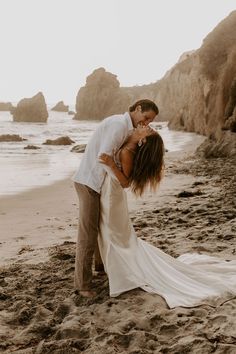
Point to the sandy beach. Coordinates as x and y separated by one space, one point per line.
193 211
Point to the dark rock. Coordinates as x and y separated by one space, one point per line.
78 148
31 147
188 194
64 140
11 137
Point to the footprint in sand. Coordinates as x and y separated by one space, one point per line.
18 238
217 320
61 228
168 330
25 249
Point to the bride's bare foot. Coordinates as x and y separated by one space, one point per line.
88 293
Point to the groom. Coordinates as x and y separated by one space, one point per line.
108 138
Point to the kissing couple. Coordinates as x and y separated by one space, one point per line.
125 152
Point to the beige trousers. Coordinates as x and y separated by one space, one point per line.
87 246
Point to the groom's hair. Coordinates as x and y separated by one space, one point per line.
146 105
148 164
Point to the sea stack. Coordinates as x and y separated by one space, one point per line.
32 109
100 97
60 107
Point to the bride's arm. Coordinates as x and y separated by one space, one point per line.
126 158
126 155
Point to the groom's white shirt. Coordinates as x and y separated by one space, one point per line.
108 138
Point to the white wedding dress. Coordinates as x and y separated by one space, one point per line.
130 262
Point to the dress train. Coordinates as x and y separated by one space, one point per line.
130 262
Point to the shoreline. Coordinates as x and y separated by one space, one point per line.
46 216
30 169
34 220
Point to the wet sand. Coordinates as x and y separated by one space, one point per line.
193 211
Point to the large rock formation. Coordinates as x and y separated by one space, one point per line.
6 106
199 93
101 96
31 110
60 107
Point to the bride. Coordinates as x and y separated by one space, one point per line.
130 262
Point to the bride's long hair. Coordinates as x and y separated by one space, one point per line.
148 165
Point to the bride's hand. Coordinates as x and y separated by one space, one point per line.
141 132
106 160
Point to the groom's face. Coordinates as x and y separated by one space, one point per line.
143 118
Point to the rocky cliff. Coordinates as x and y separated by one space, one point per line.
32 109
197 95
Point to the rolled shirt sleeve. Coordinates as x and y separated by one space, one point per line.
113 138
109 136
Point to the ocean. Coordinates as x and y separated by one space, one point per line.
23 169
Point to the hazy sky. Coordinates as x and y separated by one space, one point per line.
53 45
